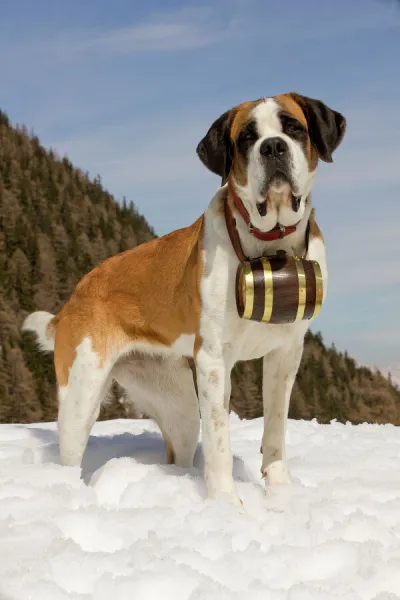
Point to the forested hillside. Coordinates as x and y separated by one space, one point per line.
55 225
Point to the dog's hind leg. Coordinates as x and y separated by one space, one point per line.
179 416
80 401
162 388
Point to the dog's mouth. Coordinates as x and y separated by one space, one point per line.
279 189
295 199
262 208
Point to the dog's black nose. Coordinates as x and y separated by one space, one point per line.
274 147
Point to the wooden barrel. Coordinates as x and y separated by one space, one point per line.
279 289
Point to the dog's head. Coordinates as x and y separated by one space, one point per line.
269 149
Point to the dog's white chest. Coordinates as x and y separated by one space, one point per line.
249 339
243 339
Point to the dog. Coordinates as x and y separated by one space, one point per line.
139 315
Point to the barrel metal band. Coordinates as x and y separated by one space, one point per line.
269 290
302 288
319 287
248 290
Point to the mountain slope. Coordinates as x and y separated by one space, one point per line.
55 225
393 373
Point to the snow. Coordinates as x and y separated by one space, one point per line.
134 528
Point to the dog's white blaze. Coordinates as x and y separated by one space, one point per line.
266 116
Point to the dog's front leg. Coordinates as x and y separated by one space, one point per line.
211 370
279 372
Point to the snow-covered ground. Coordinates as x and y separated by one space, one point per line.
137 529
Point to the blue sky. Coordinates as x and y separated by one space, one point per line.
128 88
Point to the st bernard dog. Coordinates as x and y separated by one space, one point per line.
138 316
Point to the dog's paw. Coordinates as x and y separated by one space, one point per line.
277 473
229 500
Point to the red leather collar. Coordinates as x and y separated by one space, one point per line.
279 231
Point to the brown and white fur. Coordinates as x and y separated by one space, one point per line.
137 316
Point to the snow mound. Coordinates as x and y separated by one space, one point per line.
130 527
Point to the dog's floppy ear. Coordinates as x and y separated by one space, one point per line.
215 149
326 127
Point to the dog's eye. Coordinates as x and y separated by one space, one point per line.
247 138
248 135
293 128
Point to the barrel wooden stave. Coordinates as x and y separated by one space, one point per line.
279 289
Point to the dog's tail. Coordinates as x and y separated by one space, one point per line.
43 324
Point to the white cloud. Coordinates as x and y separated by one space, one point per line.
150 36
171 31
190 28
